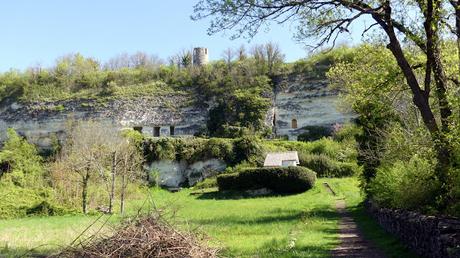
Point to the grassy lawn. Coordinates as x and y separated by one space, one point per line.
303 225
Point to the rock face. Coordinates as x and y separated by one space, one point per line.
39 121
428 236
305 100
301 101
172 174
298 102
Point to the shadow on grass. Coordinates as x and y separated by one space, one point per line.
235 195
23 252
270 217
282 249
372 231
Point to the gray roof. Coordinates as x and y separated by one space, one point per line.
275 159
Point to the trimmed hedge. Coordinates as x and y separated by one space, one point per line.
279 179
326 167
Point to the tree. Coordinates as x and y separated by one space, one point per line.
130 165
268 57
326 20
81 155
20 162
97 151
241 109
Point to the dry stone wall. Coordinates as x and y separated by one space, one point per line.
428 236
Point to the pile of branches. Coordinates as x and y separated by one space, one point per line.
144 237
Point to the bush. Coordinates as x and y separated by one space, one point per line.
345 132
207 183
22 159
407 185
190 150
279 180
45 208
161 149
220 149
248 148
326 167
314 133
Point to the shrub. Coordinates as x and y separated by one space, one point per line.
248 148
207 183
220 149
45 208
22 159
314 132
407 185
279 180
159 149
326 167
345 132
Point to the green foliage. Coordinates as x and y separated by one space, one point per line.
161 149
248 148
318 64
133 136
220 148
232 151
45 208
407 185
314 133
242 109
210 182
346 133
326 167
20 202
341 151
22 159
370 79
280 180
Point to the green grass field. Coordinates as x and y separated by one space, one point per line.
303 225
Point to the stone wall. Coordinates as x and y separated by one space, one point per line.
428 236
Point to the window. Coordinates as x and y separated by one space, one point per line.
156 131
171 130
294 124
138 128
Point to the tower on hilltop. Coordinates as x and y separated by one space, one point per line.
200 56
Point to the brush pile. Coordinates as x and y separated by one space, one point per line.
144 237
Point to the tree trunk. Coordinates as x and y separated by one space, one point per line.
433 54
84 192
456 5
112 187
421 99
457 31
122 194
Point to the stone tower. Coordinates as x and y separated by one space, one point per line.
200 56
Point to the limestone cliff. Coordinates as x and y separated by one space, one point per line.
302 101
298 101
37 121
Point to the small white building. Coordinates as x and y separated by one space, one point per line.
282 159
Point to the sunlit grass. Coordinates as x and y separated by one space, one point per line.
302 225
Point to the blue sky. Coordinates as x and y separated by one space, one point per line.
38 32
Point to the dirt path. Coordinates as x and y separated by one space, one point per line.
352 242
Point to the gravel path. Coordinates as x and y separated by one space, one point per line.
352 242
